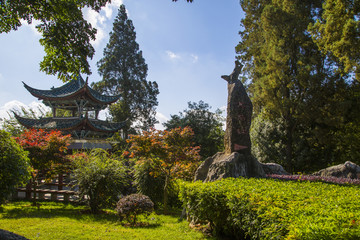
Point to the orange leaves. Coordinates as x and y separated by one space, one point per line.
42 139
45 148
170 151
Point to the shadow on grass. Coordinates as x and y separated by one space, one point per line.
53 210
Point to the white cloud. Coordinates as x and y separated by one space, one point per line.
172 55
16 105
32 26
195 58
161 118
98 19
184 57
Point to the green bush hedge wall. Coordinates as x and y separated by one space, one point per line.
273 209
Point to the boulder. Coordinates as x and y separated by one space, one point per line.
274 168
223 165
6 235
346 170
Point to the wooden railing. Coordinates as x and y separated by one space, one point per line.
56 190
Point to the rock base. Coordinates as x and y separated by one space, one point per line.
274 168
346 170
223 165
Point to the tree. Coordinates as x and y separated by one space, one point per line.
207 127
12 126
297 96
100 177
123 70
337 31
169 152
66 35
46 152
284 62
14 165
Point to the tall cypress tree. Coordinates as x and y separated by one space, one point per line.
124 71
291 81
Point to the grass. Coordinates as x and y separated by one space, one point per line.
66 221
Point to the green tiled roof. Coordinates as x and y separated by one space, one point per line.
49 123
71 89
70 124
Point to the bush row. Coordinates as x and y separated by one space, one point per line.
273 209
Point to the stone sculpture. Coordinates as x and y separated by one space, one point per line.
236 160
239 112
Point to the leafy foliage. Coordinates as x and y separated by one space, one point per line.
14 165
46 149
99 177
294 87
167 152
133 205
46 152
66 35
12 126
272 209
153 185
124 72
313 178
207 127
337 32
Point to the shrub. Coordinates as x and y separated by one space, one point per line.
47 151
14 165
170 153
153 185
100 178
272 209
133 205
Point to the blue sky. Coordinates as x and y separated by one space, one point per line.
187 48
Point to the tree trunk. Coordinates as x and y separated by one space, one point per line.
34 185
289 143
165 200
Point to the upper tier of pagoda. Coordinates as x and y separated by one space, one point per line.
76 96
78 99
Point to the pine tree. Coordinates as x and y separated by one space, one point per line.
292 82
124 72
337 31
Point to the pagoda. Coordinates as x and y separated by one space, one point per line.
78 98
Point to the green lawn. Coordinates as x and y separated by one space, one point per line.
66 221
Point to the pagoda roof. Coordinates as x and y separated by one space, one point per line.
75 89
71 123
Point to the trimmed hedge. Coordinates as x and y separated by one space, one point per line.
273 209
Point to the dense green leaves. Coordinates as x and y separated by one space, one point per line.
124 72
270 209
99 177
207 127
299 99
337 32
66 35
14 165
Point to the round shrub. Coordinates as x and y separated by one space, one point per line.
14 165
133 205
